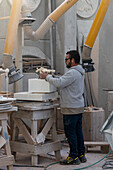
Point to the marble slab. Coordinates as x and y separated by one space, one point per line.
36 96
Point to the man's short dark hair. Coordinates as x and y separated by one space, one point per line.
74 54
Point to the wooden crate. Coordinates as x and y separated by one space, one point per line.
92 123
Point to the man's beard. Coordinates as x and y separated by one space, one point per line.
68 65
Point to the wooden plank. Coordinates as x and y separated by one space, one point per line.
6 137
3 116
105 146
54 137
2 141
35 115
33 59
22 147
29 139
34 131
49 147
59 120
31 62
61 137
35 106
8 111
33 149
41 136
15 133
89 143
47 126
6 160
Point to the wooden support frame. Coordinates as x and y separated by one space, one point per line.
7 159
34 114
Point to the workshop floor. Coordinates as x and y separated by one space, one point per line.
23 161
47 162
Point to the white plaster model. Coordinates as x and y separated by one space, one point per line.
86 8
35 96
41 86
33 4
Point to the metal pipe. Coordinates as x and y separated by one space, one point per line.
46 25
97 23
66 5
51 35
14 74
54 37
12 27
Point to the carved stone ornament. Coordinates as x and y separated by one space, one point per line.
86 8
33 4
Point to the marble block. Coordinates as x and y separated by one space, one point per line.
39 85
36 96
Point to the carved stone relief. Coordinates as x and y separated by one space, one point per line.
86 8
33 4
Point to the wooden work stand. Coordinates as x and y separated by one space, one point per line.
6 159
36 112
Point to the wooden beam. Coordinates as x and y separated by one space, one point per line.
33 149
29 139
2 141
45 130
89 143
9 160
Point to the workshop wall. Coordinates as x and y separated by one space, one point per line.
106 59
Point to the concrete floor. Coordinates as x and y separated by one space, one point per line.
45 160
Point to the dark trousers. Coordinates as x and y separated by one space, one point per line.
74 135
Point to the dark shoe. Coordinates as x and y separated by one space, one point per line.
70 161
82 158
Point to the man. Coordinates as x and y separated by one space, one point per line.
71 86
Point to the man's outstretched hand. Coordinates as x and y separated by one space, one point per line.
43 75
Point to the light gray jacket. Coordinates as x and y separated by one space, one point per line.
71 86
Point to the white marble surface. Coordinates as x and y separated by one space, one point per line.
40 85
2 99
35 96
